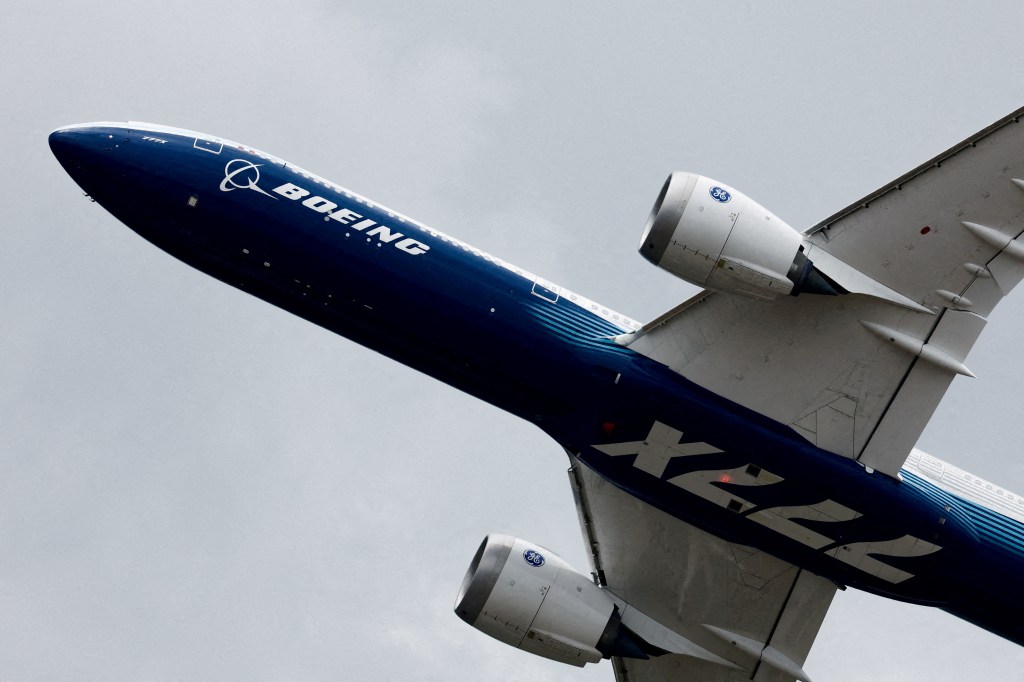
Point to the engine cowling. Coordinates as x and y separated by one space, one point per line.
527 596
711 235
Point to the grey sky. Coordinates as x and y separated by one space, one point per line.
196 485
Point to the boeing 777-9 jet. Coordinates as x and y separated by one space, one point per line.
735 461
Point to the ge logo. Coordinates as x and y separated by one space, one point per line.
534 558
242 174
719 194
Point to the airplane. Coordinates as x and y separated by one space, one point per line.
735 461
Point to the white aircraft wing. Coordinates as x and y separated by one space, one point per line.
757 612
926 259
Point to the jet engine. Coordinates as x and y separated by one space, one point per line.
527 596
711 235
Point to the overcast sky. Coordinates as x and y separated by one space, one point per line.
196 485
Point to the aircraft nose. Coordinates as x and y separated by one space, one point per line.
72 142
79 142
86 148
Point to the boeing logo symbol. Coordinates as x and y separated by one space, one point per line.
234 178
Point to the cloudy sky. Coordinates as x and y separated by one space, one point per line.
196 485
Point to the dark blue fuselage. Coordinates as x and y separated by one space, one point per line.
476 323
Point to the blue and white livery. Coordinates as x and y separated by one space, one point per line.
734 461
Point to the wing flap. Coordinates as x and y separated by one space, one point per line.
914 403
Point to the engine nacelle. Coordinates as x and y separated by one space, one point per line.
527 596
708 234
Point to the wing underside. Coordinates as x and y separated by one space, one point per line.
757 612
860 374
